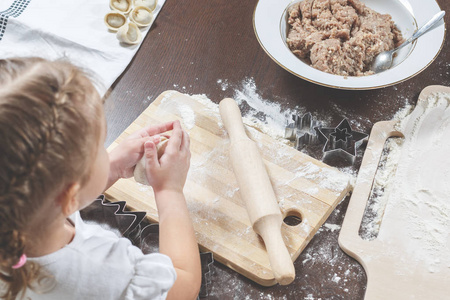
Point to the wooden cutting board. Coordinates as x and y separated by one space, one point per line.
410 257
305 188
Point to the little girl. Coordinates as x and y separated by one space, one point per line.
52 164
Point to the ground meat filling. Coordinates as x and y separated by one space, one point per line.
340 37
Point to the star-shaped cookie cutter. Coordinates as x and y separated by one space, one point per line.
303 130
341 141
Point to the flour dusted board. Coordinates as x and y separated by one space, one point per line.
410 257
304 187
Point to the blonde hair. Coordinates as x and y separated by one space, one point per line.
49 127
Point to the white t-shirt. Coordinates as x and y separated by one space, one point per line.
97 264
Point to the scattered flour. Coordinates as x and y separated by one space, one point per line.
188 116
377 200
332 227
421 185
336 278
410 196
387 167
328 178
312 190
223 84
184 111
211 107
262 115
269 116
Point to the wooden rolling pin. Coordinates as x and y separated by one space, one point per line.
257 192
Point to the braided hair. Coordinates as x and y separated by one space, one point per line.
48 129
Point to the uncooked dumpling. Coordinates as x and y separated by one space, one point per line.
142 16
123 6
151 4
114 20
139 170
129 34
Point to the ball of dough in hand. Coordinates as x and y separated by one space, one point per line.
139 170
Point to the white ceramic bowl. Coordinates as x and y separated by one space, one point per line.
269 21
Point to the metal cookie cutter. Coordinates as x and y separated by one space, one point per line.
114 215
304 130
131 224
341 141
206 259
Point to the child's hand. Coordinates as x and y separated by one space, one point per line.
125 156
177 239
170 171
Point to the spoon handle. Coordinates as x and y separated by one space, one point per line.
436 18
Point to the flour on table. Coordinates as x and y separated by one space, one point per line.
269 116
261 117
223 84
336 278
414 209
183 110
273 124
323 175
332 227
377 201
370 225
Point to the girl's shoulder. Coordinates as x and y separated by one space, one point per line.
112 262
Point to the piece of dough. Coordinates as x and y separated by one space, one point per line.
139 170
123 6
129 33
114 20
147 3
142 16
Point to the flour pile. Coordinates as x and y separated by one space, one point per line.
415 200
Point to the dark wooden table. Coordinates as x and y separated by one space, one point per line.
194 47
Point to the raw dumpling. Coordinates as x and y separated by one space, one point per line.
139 170
129 34
123 6
141 15
114 20
151 4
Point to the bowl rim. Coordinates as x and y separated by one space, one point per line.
344 87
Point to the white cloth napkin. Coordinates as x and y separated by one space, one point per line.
54 29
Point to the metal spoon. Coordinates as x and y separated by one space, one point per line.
383 60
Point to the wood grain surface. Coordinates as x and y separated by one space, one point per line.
194 46
303 186
393 271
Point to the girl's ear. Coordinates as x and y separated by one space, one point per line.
68 199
